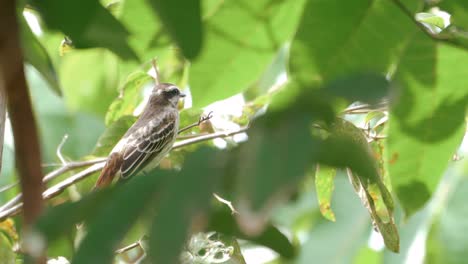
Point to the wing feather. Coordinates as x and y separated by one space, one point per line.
146 143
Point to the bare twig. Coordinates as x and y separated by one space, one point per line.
59 150
127 248
201 120
365 108
50 176
157 80
98 165
226 202
221 134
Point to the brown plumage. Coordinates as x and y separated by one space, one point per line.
148 140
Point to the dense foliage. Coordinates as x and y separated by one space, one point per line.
344 117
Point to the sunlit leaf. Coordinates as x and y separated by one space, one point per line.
324 184
338 38
130 97
241 40
90 80
427 123
112 135
7 255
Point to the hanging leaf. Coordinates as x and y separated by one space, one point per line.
324 184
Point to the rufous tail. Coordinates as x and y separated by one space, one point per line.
109 171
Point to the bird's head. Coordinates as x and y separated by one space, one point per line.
168 92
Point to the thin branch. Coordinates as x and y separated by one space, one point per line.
2 120
221 134
226 202
157 80
98 165
127 248
59 150
200 121
50 176
436 37
366 108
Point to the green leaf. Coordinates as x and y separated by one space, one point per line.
151 41
184 24
426 123
324 184
112 222
185 197
241 40
112 135
37 56
458 10
7 255
363 87
265 169
88 24
89 80
61 219
131 95
336 38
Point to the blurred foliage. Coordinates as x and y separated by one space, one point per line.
329 90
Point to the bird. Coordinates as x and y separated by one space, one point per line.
148 140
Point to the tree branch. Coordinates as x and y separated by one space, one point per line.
2 120
14 207
28 157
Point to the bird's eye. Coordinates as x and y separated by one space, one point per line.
173 92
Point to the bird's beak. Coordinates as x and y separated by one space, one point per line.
182 95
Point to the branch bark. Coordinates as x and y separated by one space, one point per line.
20 111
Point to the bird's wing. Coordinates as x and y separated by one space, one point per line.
147 142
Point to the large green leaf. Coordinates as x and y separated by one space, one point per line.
37 55
112 135
426 123
108 227
183 21
342 37
89 80
275 157
87 23
185 199
241 40
150 41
